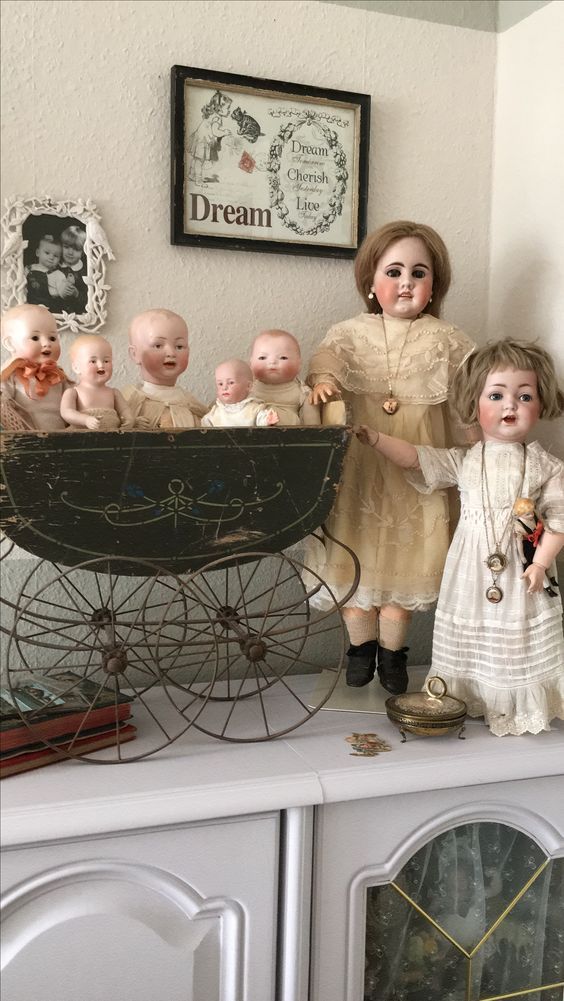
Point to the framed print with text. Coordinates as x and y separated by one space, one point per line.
267 166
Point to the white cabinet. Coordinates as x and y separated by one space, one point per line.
183 914
470 905
224 872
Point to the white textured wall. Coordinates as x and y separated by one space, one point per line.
526 296
86 99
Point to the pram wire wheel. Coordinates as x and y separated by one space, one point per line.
261 620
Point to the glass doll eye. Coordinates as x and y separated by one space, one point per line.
495 396
393 272
419 273
53 339
526 398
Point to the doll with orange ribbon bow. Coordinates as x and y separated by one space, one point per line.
31 382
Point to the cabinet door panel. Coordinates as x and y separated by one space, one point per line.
185 913
474 854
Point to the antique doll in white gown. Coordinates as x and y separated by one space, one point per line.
235 407
498 641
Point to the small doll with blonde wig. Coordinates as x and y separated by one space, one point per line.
393 366
91 404
31 381
498 641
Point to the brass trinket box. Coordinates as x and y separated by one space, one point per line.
430 713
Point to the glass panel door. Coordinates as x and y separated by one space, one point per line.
475 915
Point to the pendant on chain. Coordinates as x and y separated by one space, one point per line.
494 594
390 405
496 562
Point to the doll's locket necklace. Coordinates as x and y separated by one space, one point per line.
391 404
496 561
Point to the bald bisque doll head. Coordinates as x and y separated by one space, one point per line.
233 381
275 357
158 344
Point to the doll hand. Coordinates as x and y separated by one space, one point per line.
272 418
142 424
322 393
535 576
367 435
126 424
92 423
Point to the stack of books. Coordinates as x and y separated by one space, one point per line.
70 712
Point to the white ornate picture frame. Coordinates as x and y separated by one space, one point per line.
28 222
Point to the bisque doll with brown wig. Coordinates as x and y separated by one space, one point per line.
393 366
158 344
92 404
498 639
31 382
235 407
276 361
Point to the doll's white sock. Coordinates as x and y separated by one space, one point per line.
361 626
392 632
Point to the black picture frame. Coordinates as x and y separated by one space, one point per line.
267 166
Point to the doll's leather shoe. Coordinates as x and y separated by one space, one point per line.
361 664
392 670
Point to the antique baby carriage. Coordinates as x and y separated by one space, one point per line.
161 570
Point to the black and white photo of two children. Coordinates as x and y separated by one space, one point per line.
55 263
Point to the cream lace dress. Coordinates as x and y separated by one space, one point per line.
164 406
399 535
506 661
290 401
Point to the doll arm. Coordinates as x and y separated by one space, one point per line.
12 418
7 387
401 452
123 411
547 550
135 401
267 418
322 392
72 416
